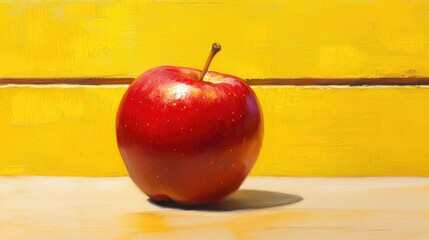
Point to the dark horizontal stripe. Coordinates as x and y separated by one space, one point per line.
76 81
340 81
260 81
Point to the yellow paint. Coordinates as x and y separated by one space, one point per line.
260 38
327 131
148 222
346 131
59 131
283 224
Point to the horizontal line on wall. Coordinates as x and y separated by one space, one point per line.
340 81
75 81
253 81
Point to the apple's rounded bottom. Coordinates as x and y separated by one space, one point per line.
160 198
204 200
198 203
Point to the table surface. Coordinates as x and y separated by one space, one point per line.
264 208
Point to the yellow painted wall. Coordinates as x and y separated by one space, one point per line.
329 131
261 38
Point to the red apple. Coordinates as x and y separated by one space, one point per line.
189 140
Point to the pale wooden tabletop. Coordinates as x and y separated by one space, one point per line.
265 208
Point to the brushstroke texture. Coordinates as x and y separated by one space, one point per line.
113 208
320 131
261 38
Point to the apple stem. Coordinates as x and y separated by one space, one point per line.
215 49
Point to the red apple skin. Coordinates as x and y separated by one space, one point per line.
190 141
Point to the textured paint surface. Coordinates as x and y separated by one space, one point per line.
59 131
323 131
261 38
113 208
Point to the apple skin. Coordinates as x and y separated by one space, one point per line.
190 141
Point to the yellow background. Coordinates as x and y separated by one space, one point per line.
319 131
260 38
311 131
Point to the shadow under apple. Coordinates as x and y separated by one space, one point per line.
244 199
